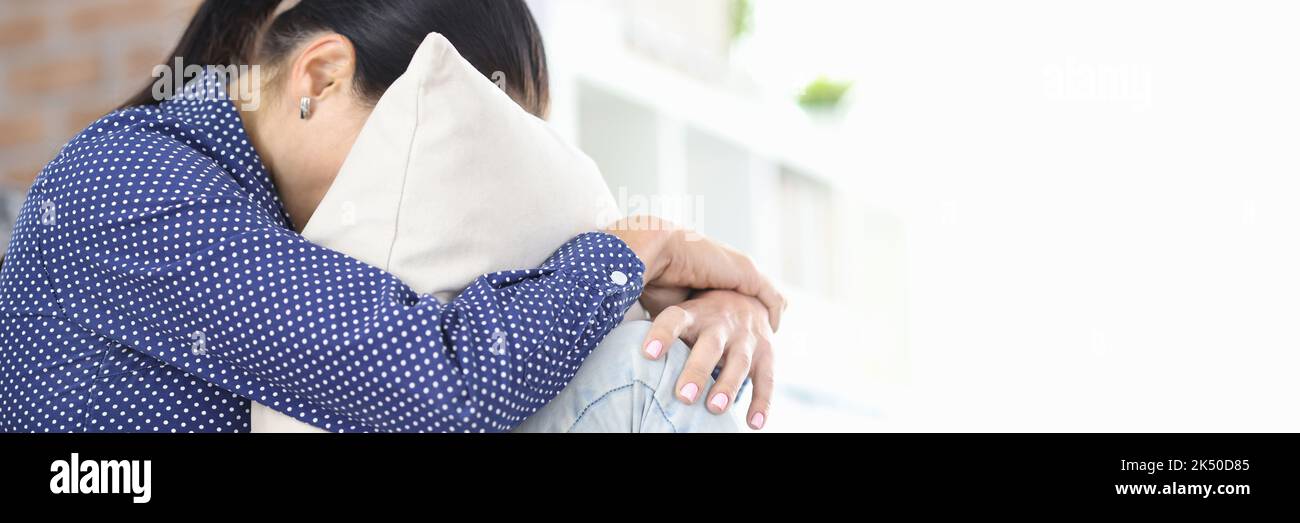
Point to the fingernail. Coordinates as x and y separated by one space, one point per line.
719 401
757 420
690 391
653 349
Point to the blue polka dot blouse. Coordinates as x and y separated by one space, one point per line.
154 284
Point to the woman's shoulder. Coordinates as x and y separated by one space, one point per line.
136 145
125 125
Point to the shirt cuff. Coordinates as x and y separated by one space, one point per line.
603 262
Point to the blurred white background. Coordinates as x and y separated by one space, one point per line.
1032 215
1022 216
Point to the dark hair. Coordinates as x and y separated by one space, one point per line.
493 35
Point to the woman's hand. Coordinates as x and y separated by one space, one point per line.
676 264
722 327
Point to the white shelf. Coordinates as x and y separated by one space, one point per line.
776 129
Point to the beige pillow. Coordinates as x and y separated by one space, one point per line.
448 180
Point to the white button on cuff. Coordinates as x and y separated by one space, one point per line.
618 278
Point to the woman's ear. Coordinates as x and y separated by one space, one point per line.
323 70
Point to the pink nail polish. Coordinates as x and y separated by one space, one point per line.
690 391
719 401
653 349
757 420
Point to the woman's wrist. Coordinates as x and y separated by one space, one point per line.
648 245
674 260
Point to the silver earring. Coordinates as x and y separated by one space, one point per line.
304 107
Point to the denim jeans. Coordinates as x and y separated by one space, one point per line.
619 390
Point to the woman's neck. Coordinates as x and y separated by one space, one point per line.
300 200
299 194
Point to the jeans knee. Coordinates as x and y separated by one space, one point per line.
619 389
624 348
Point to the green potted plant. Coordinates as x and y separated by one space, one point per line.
824 94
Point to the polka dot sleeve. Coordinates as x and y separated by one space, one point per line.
159 240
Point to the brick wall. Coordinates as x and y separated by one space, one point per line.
64 63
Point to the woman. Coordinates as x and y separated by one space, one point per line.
156 281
